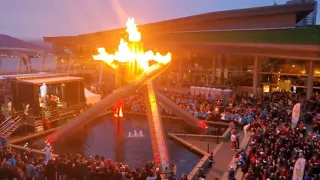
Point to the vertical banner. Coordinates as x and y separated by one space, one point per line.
298 170
295 114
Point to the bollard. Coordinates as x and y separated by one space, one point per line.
208 148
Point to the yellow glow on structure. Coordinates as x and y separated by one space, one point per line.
131 52
266 88
132 30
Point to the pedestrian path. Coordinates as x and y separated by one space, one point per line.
203 144
222 160
243 145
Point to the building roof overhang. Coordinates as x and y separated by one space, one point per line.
299 9
284 51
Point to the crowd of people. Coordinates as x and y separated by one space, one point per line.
23 165
239 108
274 144
200 106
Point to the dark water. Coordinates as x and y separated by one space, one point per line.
109 138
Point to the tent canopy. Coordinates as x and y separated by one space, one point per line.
91 97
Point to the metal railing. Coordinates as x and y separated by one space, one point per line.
4 122
7 123
11 129
10 126
61 113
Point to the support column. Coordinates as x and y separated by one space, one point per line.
310 79
180 71
79 91
44 57
69 65
63 96
255 75
100 75
223 66
213 70
19 65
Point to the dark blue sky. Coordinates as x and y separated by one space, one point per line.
32 19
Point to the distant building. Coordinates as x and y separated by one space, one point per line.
311 18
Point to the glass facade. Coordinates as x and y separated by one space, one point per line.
238 70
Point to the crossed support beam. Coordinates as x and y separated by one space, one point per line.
23 58
155 125
158 142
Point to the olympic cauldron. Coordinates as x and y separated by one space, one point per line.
132 64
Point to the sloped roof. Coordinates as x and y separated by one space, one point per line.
300 9
52 80
302 36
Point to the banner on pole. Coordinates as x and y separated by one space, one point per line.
295 114
298 170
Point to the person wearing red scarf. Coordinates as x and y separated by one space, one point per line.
253 159
284 173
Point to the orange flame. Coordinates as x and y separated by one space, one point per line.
126 53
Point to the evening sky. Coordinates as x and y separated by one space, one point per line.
33 19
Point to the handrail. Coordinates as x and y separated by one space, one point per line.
8 123
15 121
4 122
56 113
13 125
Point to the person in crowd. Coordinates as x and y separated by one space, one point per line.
30 170
233 139
12 160
39 171
48 152
210 160
231 173
246 129
3 143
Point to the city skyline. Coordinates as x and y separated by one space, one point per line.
31 20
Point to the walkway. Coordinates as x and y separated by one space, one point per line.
202 143
222 159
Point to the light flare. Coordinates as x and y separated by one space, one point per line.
130 52
132 30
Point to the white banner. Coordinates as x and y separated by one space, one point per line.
295 114
298 170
